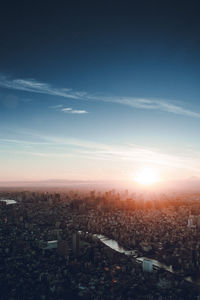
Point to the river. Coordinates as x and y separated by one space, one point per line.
8 201
115 246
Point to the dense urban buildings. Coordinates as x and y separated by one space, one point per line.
51 245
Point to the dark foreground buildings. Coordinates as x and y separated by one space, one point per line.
48 250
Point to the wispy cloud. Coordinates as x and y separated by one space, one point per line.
31 85
154 104
69 110
56 106
22 142
67 147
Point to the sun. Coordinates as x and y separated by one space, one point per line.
147 176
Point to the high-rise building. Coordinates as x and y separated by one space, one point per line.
147 265
75 243
198 221
63 248
191 221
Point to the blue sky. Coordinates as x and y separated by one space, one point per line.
99 91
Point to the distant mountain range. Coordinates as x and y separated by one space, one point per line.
49 182
191 184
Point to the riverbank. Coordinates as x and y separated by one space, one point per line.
115 246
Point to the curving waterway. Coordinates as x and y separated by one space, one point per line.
115 246
8 201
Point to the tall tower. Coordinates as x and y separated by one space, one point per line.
75 243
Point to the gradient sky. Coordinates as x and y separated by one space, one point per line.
99 89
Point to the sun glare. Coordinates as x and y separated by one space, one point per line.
147 177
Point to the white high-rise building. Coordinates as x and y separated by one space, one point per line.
147 265
191 221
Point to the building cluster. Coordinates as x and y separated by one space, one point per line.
48 248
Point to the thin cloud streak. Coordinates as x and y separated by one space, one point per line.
56 106
31 85
153 104
22 142
96 151
69 110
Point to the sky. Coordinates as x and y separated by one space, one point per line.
99 90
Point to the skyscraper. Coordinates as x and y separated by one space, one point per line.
147 265
75 243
